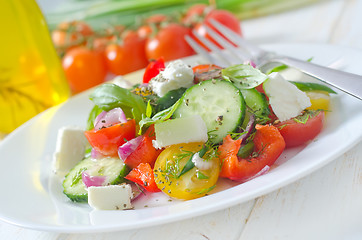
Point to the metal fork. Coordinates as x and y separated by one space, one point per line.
246 51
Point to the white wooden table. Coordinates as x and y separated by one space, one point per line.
324 205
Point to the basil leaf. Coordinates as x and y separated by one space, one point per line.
308 86
109 96
243 76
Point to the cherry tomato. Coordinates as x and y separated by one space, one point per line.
206 72
70 33
169 43
143 175
192 184
224 17
156 19
128 56
195 14
145 152
151 24
107 140
202 68
84 68
144 31
300 130
153 69
268 145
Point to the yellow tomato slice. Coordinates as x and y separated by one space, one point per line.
320 100
194 183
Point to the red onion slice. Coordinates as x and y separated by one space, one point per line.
106 119
249 128
251 63
127 148
95 181
96 155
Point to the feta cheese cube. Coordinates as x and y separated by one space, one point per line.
177 74
111 197
180 130
286 100
70 147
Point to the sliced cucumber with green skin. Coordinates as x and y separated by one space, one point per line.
219 103
112 167
257 103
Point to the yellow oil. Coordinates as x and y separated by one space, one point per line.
31 76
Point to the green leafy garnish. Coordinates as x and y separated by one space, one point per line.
188 166
306 116
92 116
277 69
243 76
200 175
206 190
148 109
109 96
308 86
77 177
158 117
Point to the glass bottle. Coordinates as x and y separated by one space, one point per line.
31 75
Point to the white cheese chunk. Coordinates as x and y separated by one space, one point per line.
111 197
180 130
70 147
286 100
177 74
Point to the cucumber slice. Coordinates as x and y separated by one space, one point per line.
219 103
73 185
257 103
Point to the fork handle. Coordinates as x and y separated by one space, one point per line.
347 82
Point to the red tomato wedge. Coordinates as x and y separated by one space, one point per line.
145 152
296 133
143 175
107 140
153 69
269 144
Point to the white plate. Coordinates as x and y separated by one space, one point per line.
31 195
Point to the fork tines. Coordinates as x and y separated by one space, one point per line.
226 55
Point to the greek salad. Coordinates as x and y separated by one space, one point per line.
184 128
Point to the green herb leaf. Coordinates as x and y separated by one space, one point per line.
277 69
308 86
92 116
200 175
77 177
188 166
243 76
149 109
206 190
109 96
158 117
306 116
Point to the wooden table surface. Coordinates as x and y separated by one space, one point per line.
326 204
